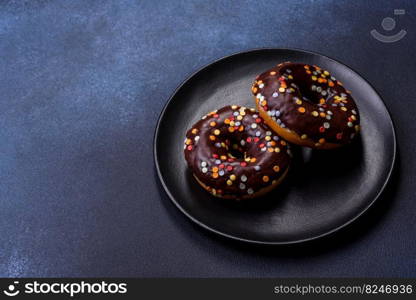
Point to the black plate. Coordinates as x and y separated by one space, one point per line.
325 190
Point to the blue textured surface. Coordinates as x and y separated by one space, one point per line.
82 84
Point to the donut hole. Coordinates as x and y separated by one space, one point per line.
305 90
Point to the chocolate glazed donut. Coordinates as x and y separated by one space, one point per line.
306 105
233 153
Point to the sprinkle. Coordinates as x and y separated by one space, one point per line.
229 168
303 136
242 186
223 157
354 111
197 138
257 168
254 125
243 178
229 182
242 142
282 90
314 78
350 124
212 124
353 117
322 141
258 96
261 85
217 161
275 94
194 131
234 106
301 109
221 172
212 138
272 73
277 149
326 73
322 114
276 168
258 133
321 129
266 178
298 101
215 169
343 108
233 177
326 125
250 191
217 131
204 170
339 136
203 164
315 113
253 159
357 128
189 147
214 175
243 164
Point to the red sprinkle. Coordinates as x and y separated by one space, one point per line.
190 147
339 135
261 145
230 159
215 155
248 140
243 164
221 166
229 168
256 139
321 129
216 116
258 120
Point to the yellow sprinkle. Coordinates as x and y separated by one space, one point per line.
239 117
229 182
217 131
247 159
212 138
290 77
194 131
272 73
314 78
234 106
265 178
315 113
212 124
277 149
343 108
263 103
268 138
231 129
326 73
242 112
282 90
353 117
298 101
233 177
232 123
276 168
188 141
223 157
270 150
303 136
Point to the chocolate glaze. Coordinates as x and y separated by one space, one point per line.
234 153
309 101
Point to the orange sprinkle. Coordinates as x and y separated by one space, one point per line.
227 121
265 178
194 131
212 138
212 124
215 175
322 114
330 83
223 157
322 101
322 141
253 159
283 142
215 169
276 168
254 89
231 129
301 109
272 73
270 150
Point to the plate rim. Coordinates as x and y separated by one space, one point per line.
254 241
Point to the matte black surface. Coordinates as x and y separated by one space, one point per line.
325 189
82 84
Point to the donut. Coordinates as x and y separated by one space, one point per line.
307 106
233 154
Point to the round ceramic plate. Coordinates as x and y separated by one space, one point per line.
324 191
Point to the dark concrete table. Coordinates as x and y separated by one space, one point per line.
82 84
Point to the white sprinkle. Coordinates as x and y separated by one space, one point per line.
197 138
275 94
258 96
328 117
353 111
277 113
250 191
329 112
242 186
243 178
279 121
319 89
268 133
263 149
203 164
204 170
326 125
255 116
217 161
323 93
257 168
254 125
350 124
242 142
237 123
236 113
221 173
258 133
261 85
262 98
276 138
313 87
283 125
218 145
